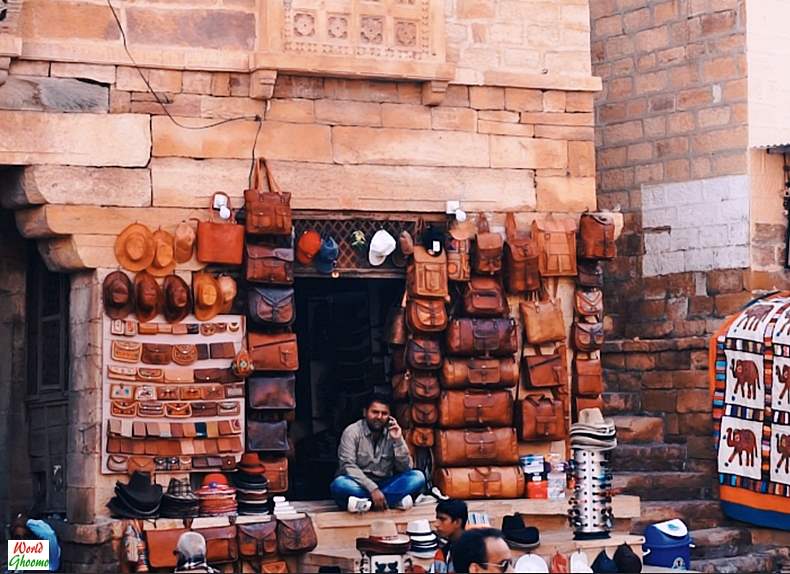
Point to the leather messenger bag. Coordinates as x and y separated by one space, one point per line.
596 236
588 337
476 446
424 354
482 337
296 535
522 271
269 264
272 393
426 315
161 544
587 377
267 436
481 482
277 473
271 306
257 540
484 297
422 386
479 373
273 351
221 544
461 409
540 418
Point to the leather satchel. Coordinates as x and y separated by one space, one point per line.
472 408
421 436
546 370
424 354
482 373
543 321
484 297
487 254
588 337
272 393
476 446
296 535
522 269
426 315
587 377
426 275
589 303
220 242
221 544
540 418
257 540
396 324
556 247
161 545
596 236
273 351
269 264
458 246
482 337
423 386
425 414
480 482
267 213
271 306
590 273
277 474
267 436
276 567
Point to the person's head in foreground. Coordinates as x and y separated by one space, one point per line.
451 517
482 550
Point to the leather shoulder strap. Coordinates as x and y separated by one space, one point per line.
482 223
273 187
510 226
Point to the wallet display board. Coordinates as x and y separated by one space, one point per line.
170 400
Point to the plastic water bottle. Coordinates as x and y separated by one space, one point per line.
557 479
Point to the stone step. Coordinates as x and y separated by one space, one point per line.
621 403
719 542
649 457
760 560
665 485
639 429
694 513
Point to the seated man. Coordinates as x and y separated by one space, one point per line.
374 464
451 517
482 550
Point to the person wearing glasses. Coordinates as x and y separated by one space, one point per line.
482 550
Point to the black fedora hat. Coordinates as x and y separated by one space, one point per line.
140 493
517 534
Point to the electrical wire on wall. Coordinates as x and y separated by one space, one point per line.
256 118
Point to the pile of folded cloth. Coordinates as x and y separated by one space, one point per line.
252 486
179 501
593 432
423 542
216 496
138 499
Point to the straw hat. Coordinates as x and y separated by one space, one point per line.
147 296
177 300
164 260
208 296
183 242
118 295
135 247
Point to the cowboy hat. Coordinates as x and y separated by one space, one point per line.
228 291
164 261
183 242
135 247
177 300
207 295
118 295
147 296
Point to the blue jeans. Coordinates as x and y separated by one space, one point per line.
394 488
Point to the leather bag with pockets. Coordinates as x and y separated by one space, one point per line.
426 315
480 482
596 236
484 297
296 535
257 540
271 306
460 373
396 324
161 544
421 436
556 246
277 473
220 242
267 436
273 351
221 544
458 246
482 337
269 264
487 253
590 273
426 275
589 303
473 408
486 446
425 414
522 268
587 377
546 370
268 212
540 418
272 393
422 386
588 337
542 320
424 354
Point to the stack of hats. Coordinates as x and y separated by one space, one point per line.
517 534
423 542
216 496
593 432
138 499
252 486
179 501
384 538
283 510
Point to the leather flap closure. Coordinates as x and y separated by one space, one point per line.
255 251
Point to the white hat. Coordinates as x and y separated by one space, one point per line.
531 563
579 563
381 245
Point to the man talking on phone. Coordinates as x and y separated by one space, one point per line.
374 464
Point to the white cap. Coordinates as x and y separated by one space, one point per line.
579 563
381 245
531 563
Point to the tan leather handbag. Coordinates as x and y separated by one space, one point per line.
426 275
482 337
472 408
588 337
596 236
484 373
543 321
480 482
547 370
476 446
487 253
220 242
540 418
267 213
273 351
484 297
556 246
426 315
522 269
587 377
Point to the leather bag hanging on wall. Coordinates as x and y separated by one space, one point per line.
272 393
588 337
267 436
587 377
540 418
426 275
221 544
481 373
273 351
546 370
277 473
556 246
590 274
269 264
476 446
396 324
400 385
473 408
482 337
580 403
480 482
589 303
220 242
522 268
161 544
421 436
484 297
268 213
458 246
543 321
257 541
271 306
424 354
425 414
423 386
596 236
296 535
487 253
426 315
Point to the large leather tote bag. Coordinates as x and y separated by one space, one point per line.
268 213
218 241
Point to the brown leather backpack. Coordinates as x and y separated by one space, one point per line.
484 373
257 540
267 213
588 377
487 254
589 303
423 386
458 246
272 393
271 306
588 337
556 246
426 315
296 535
268 264
543 321
473 408
476 446
480 482
486 337
424 354
421 436
596 236
426 275
425 414
484 297
273 351
546 370
540 418
522 269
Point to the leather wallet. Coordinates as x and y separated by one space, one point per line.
126 351
225 350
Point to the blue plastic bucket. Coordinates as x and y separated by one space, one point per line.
668 544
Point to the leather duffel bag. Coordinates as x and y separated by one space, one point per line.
480 482
423 386
269 264
273 351
482 337
596 236
487 253
426 275
472 408
587 377
540 418
424 354
479 373
484 297
426 315
476 446
257 540
267 436
522 270
271 306
268 213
